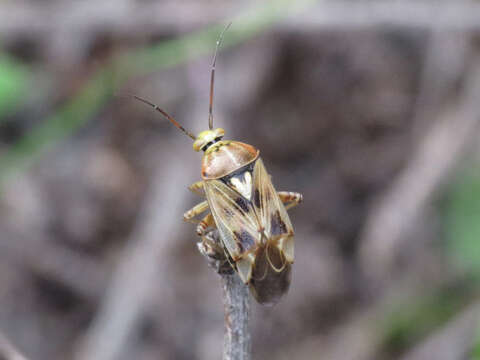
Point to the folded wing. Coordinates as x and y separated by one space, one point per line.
257 234
236 220
271 212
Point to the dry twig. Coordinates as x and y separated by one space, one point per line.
236 342
454 341
236 299
8 351
392 216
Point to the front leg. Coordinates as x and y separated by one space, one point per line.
289 198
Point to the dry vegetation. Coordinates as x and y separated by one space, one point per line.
369 109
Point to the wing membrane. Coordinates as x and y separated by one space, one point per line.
235 218
271 212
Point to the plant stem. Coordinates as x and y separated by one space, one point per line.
236 299
236 342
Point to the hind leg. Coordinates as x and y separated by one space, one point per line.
290 199
204 224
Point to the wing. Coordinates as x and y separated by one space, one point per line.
257 234
235 219
272 214
270 278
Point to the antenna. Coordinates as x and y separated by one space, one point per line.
174 122
212 77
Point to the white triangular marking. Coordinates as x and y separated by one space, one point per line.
243 184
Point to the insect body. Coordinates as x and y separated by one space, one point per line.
250 215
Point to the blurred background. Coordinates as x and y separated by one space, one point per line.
370 109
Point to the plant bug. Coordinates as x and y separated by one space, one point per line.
250 215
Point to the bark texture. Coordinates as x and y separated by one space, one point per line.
237 342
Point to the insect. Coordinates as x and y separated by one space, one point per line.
256 234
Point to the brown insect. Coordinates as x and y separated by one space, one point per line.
241 202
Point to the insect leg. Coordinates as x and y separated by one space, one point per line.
195 211
207 246
205 223
197 188
289 198
211 247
